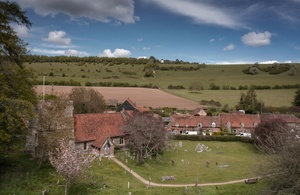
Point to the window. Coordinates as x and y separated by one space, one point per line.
84 146
213 124
199 125
228 124
121 140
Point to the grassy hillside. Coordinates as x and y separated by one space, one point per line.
220 75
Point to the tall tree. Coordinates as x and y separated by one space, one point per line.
87 100
145 136
249 102
11 46
16 89
282 171
297 98
271 135
70 163
54 121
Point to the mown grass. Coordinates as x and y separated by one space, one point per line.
275 98
221 75
241 161
21 175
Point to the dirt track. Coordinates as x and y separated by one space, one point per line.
143 97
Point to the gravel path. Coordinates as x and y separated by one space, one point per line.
172 185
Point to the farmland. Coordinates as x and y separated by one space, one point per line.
221 75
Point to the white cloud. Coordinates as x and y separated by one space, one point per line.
69 52
257 39
139 39
58 37
229 47
21 30
233 62
142 57
146 48
99 10
269 62
211 40
74 52
201 12
117 53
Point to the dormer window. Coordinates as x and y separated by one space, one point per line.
255 124
187 125
228 124
213 124
177 125
242 124
199 125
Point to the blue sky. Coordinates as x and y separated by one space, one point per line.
204 31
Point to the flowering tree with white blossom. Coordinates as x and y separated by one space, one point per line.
69 162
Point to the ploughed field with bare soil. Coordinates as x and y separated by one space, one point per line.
142 97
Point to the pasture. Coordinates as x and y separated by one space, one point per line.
21 175
220 75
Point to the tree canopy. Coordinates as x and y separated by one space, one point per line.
297 98
145 136
276 138
11 46
16 90
249 102
87 100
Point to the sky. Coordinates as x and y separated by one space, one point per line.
203 31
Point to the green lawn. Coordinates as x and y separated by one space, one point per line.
20 175
241 160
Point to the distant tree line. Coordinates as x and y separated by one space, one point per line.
120 84
96 59
273 69
62 83
183 68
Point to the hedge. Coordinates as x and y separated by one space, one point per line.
229 138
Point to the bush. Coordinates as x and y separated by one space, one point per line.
176 87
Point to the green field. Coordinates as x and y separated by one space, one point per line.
20 175
220 75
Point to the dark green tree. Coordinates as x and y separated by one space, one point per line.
87 100
297 98
17 95
249 102
11 46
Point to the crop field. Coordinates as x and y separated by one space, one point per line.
220 75
141 96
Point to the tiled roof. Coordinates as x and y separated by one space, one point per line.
97 127
136 107
288 118
193 121
236 120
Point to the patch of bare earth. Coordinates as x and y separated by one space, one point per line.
143 97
